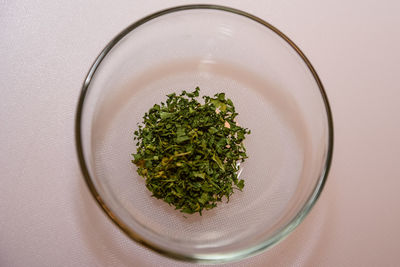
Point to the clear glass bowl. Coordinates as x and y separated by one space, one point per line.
278 96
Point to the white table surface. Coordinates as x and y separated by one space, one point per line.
48 217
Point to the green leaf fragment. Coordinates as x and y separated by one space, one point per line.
218 161
165 115
199 175
182 138
240 184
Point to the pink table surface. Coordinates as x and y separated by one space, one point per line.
48 217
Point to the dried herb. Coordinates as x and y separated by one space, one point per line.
189 152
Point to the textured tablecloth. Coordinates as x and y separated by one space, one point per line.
48 217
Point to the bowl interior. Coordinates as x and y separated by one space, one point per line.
275 94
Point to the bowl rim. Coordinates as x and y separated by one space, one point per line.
204 258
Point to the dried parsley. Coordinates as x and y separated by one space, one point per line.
189 152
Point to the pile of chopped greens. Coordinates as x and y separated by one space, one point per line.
189 152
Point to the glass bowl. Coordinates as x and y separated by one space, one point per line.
277 94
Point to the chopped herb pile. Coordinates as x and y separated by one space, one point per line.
189 152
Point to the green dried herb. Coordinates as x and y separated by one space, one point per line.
189 152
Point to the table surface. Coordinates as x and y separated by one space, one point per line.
48 217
